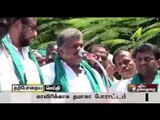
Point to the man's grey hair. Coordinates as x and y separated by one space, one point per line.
70 33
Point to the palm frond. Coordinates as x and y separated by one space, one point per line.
92 40
154 25
137 34
124 29
92 31
109 34
132 45
141 21
80 22
113 42
150 34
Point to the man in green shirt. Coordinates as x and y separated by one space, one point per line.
146 57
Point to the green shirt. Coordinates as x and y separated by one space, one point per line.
137 80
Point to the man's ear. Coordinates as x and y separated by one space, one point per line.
18 24
158 63
60 51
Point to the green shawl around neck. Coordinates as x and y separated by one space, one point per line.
137 80
18 64
110 82
61 76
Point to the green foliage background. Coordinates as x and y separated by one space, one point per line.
114 32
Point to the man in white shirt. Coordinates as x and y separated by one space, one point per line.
17 61
126 67
69 70
101 51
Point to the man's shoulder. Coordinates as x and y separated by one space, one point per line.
1 48
48 72
49 66
120 86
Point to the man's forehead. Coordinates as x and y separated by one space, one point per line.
146 53
123 56
99 50
74 41
124 53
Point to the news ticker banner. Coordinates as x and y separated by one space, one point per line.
58 97
58 88
139 93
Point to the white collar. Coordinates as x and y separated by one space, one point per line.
24 49
65 65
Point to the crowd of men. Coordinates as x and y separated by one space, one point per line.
19 64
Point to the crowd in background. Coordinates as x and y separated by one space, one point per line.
62 64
